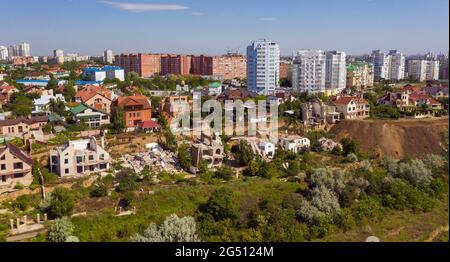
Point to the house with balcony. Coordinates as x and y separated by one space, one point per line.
295 144
137 109
352 107
41 105
80 157
94 118
15 167
317 114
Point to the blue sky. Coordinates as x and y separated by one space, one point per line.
213 26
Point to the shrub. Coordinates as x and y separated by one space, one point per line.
61 203
99 190
22 202
173 229
350 145
225 172
60 230
221 205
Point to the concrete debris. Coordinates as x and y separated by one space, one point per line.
156 158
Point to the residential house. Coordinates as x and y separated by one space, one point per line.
42 105
215 89
150 126
236 94
94 118
352 107
137 110
316 113
19 126
6 93
15 167
176 105
410 98
96 97
208 148
267 148
295 144
79 158
437 92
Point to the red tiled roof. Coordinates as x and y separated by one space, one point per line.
6 89
149 124
345 100
91 91
134 100
32 120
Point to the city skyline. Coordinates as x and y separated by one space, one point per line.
196 27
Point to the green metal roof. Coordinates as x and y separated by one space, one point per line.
54 118
215 85
78 109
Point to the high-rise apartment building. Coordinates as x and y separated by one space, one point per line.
389 66
309 71
335 72
381 64
22 49
3 53
145 65
175 65
397 65
423 70
263 66
108 56
228 66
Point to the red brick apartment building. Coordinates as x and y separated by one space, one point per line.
175 65
146 65
228 66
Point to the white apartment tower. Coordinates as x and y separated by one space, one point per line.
389 66
22 49
263 66
381 64
336 71
423 70
3 53
397 65
108 56
309 71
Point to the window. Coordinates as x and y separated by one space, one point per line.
79 159
102 157
91 157
3 178
3 167
18 165
67 171
3 157
66 161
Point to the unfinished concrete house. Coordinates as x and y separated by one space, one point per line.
207 148
80 157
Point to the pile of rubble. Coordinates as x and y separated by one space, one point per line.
156 158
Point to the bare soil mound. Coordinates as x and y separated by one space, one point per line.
398 139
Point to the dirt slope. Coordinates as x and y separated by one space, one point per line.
396 138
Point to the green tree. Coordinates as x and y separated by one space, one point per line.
225 172
184 156
21 105
61 202
69 90
245 153
221 205
350 145
58 106
119 119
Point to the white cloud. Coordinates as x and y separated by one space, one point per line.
268 19
196 13
141 7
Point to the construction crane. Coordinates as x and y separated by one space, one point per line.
233 50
